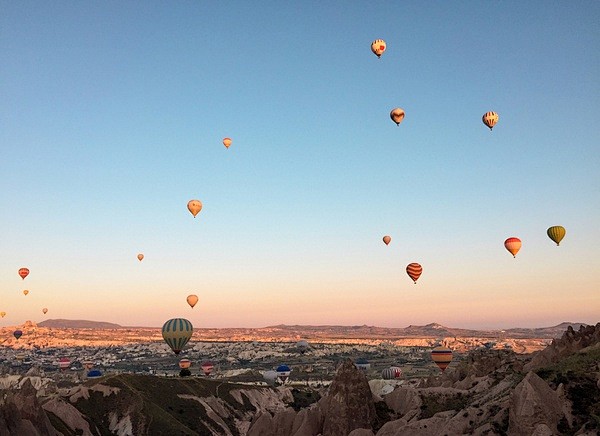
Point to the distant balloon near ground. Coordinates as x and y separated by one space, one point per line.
17 334
94 373
270 377
194 206
387 239
192 300
414 271
513 245
23 272
207 367
283 372
556 233
397 115
378 47
442 356
177 332
391 373
185 363
64 363
490 119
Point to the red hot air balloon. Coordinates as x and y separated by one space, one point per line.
23 272
207 367
414 271
513 245
387 239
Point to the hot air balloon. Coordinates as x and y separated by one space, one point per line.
140 257
490 119
185 363
88 364
177 332
94 373
194 206
414 271
513 245
270 377
17 334
556 233
2 314
397 115
362 363
442 356
64 363
226 142
391 373
23 272
207 367
25 292
378 47
387 239
283 372
44 311
192 300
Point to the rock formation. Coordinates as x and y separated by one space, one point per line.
22 414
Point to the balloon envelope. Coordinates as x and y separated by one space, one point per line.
227 142
94 373
490 119
23 272
140 257
185 363
442 356
194 206
387 239
378 47
556 233
513 245
64 362
17 334
414 271
397 115
207 367
2 314
177 332
283 372
25 292
192 300
391 373
44 311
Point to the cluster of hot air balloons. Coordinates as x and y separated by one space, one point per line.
556 233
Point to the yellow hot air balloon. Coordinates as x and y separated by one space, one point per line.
513 245
140 257
44 310
25 292
387 239
378 47
397 115
490 119
556 233
177 332
194 206
442 356
192 300
2 314
226 142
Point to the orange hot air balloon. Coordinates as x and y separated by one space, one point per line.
378 47
140 257
194 206
2 314
442 356
192 300
387 239
513 245
397 115
226 142
23 272
44 310
25 292
414 271
490 119
185 363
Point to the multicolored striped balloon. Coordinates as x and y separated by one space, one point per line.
442 356
513 245
556 233
177 332
414 271
490 119
391 373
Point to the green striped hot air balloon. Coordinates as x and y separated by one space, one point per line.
556 233
177 332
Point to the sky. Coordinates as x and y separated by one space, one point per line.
112 118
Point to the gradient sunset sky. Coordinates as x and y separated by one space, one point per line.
113 115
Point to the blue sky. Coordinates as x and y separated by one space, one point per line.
113 115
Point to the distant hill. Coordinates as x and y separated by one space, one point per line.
77 324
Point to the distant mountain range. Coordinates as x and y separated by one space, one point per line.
77 324
432 330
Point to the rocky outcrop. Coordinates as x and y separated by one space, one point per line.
535 408
570 342
22 414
